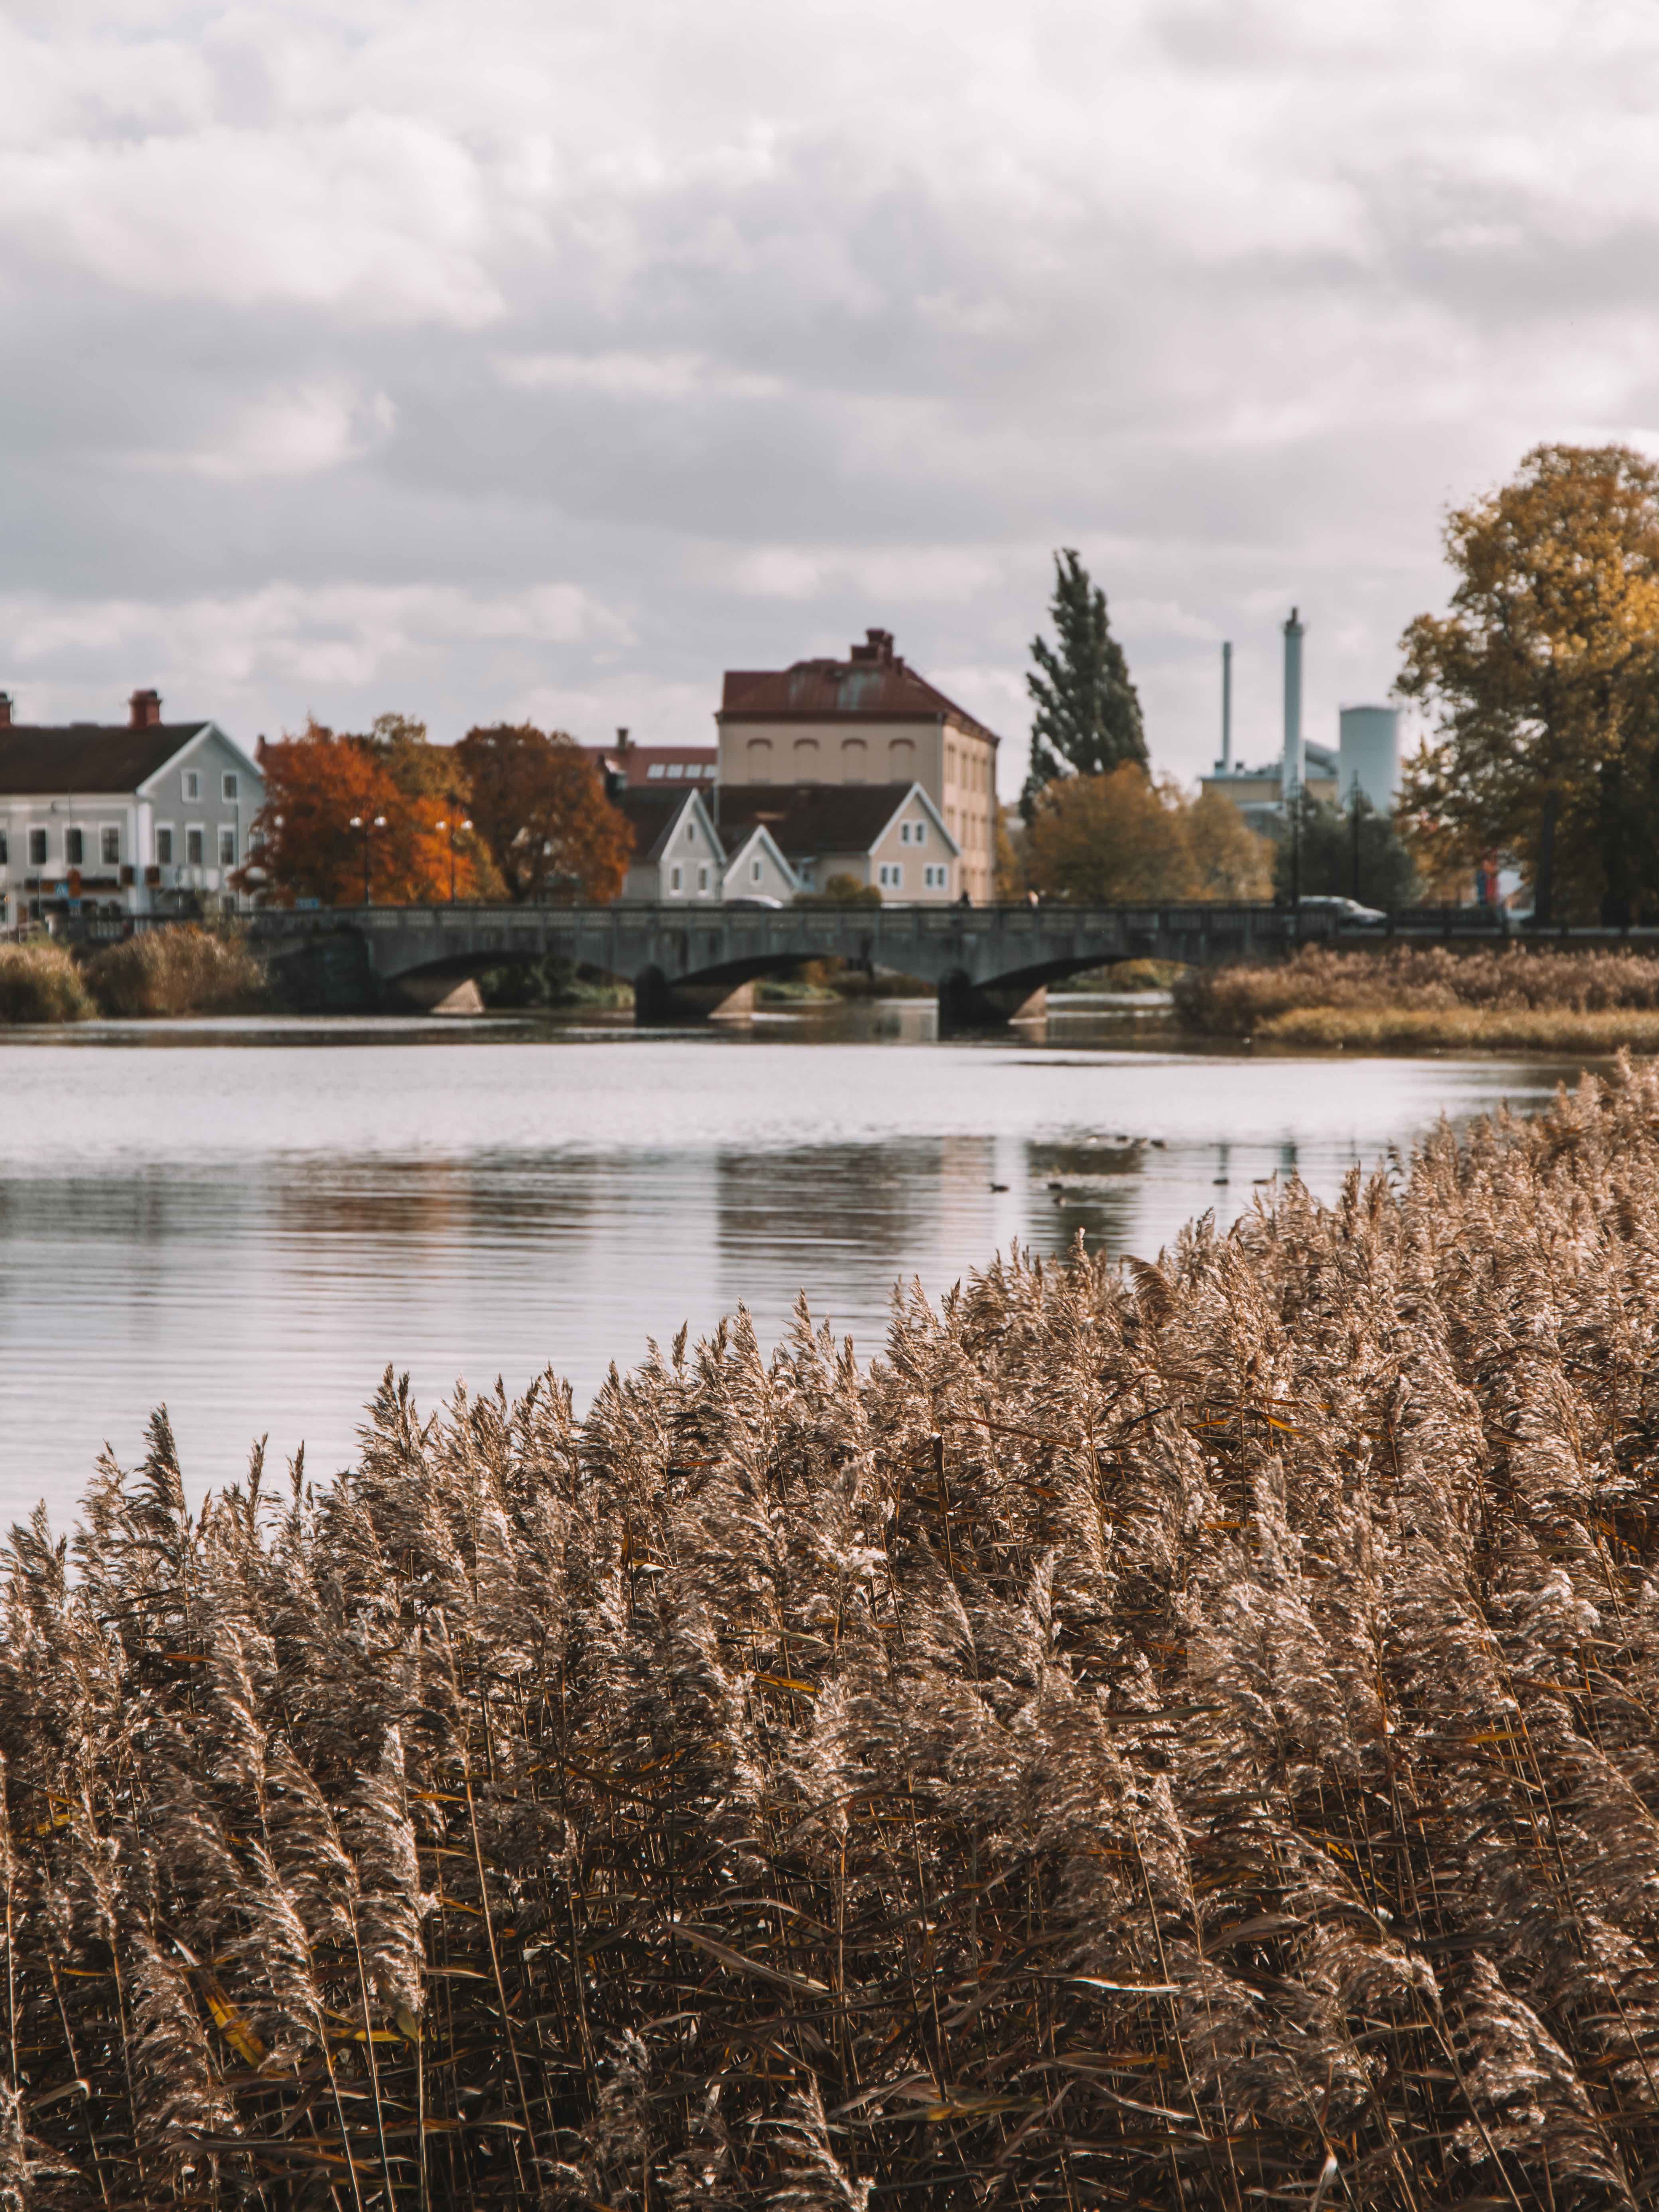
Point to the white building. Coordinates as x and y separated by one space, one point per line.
677 854
140 817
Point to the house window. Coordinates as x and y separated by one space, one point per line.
674 874
75 847
891 876
655 771
111 853
690 831
227 787
703 878
37 848
919 833
755 869
193 848
226 847
164 845
193 784
904 833
934 876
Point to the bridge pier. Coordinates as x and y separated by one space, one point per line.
659 1000
965 1004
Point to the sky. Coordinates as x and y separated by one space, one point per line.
503 360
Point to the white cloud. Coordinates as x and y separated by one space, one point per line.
298 433
309 640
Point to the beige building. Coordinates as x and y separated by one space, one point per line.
869 720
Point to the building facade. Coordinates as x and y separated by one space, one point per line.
869 720
122 819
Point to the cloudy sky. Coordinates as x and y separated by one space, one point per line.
543 358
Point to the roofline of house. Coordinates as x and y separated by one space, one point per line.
916 792
208 729
956 715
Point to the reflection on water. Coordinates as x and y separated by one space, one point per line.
250 1227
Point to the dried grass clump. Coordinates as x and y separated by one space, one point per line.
1274 1003
1462 1028
41 983
1182 1741
184 969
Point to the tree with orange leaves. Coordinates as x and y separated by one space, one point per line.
540 807
353 819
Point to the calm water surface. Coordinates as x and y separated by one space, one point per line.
248 1221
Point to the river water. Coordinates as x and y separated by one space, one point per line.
249 1220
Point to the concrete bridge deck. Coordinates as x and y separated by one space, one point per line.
988 964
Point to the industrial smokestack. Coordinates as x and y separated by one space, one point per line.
1226 761
1290 773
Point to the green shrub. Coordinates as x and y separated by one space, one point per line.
182 970
40 982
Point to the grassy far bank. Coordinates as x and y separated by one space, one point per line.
1221 1692
1407 1000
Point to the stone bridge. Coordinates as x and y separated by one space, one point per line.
988 964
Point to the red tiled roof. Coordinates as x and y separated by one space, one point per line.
637 762
871 685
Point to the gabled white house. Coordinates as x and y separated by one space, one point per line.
677 854
891 835
144 816
755 865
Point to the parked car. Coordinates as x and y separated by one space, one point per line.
1345 912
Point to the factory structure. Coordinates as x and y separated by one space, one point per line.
1365 757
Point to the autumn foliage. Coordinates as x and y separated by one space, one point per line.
317 782
541 810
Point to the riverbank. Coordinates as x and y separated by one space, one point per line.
1412 1000
1220 1690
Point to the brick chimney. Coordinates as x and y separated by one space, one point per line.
144 710
5 710
622 741
877 646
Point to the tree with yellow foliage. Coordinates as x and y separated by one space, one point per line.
1544 682
1105 839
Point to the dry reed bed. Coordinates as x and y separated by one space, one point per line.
1186 1739
184 968
1409 998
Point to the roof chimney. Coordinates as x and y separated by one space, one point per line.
622 741
144 710
877 646
5 710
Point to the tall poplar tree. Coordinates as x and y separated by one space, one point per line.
1088 713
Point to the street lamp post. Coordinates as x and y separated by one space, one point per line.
367 825
453 828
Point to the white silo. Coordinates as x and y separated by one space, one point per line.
1369 755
